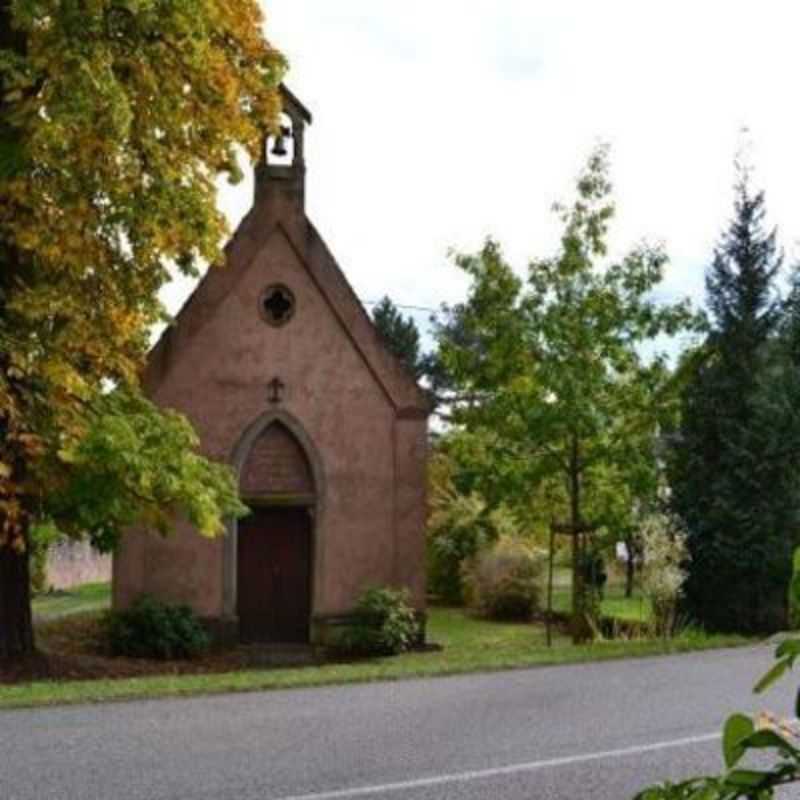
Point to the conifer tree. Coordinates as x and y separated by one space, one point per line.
400 334
730 472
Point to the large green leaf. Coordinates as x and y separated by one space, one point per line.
748 779
770 739
737 729
775 674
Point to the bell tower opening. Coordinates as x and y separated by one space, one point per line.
282 168
280 147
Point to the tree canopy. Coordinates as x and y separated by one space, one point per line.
116 120
400 334
734 460
558 384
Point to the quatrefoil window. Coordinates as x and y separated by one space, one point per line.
277 305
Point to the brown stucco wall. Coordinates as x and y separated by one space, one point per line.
364 417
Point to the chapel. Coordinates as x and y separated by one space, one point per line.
283 375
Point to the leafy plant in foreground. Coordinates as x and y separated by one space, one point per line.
743 736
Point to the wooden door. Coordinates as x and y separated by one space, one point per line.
274 579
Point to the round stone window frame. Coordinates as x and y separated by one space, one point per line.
264 312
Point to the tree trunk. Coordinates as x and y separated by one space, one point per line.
16 621
630 569
581 630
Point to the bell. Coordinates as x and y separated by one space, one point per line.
279 148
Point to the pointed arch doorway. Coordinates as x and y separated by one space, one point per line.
271 554
275 559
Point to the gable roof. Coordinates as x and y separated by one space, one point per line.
254 234
291 103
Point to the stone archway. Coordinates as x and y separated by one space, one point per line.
280 473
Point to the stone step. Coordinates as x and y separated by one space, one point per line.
280 655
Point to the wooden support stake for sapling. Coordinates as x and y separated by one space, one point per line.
549 620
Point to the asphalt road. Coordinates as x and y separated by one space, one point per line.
598 731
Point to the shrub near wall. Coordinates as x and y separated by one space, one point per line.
151 629
386 624
504 581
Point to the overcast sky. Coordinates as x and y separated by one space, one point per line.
438 122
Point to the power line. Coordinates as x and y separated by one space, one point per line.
401 305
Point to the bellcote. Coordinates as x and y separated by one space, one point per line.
282 167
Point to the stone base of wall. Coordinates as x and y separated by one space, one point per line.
71 564
325 629
224 631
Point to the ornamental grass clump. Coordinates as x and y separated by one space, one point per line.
503 582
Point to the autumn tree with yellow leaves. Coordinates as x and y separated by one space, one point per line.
117 117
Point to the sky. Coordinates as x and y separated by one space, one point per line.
440 122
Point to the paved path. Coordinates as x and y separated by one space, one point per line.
596 731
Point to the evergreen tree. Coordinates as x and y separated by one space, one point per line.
400 334
730 471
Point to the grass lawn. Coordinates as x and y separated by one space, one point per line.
469 645
84 599
614 604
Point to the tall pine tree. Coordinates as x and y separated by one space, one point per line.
731 476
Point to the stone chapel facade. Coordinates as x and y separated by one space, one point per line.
283 375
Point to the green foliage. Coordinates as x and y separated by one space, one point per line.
550 369
794 594
460 526
592 566
140 465
42 537
151 629
735 456
743 737
116 121
386 624
456 532
400 334
503 582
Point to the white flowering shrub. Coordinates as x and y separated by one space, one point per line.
664 557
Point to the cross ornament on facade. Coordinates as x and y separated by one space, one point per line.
276 388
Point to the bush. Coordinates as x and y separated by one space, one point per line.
503 582
457 530
151 629
663 574
386 624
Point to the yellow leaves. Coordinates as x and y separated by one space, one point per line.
11 518
63 377
119 178
30 443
